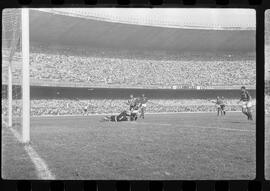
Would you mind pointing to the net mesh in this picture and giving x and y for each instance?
(12, 55)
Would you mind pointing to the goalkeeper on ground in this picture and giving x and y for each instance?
(123, 116)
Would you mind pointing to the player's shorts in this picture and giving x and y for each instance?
(222, 106)
(144, 105)
(217, 106)
(246, 104)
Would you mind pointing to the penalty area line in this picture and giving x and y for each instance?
(41, 167)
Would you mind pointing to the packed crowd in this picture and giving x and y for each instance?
(108, 106)
(147, 69)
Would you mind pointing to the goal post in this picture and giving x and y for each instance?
(25, 76)
(15, 71)
(9, 92)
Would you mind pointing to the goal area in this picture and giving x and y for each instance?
(15, 72)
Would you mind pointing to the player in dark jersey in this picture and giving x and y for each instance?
(143, 101)
(135, 111)
(131, 102)
(134, 105)
(222, 105)
(123, 116)
(246, 102)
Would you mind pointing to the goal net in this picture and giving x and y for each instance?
(13, 62)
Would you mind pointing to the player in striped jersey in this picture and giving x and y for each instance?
(246, 102)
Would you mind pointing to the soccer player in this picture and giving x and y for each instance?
(131, 102)
(222, 106)
(123, 116)
(218, 105)
(135, 111)
(143, 102)
(246, 103)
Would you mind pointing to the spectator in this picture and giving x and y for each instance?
(129, 69)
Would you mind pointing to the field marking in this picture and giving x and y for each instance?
(220, 128)
(41, 167)
(148, 123)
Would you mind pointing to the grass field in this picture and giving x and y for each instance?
(267, 146)
(162, 146)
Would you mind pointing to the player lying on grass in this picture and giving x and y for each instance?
(245, 98)
(220, 105)
(123, 116)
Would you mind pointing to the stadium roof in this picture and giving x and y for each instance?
(229, 19)
(92, 27)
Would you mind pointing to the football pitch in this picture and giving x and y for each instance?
(162, 146)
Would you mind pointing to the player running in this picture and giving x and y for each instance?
(222, 105)
(143, 101)
(246, 103)
(123, 116)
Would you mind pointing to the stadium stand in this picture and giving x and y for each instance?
(171, 57)
(108, 68)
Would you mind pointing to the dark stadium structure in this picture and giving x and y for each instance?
(48, 28)
(41, 92)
